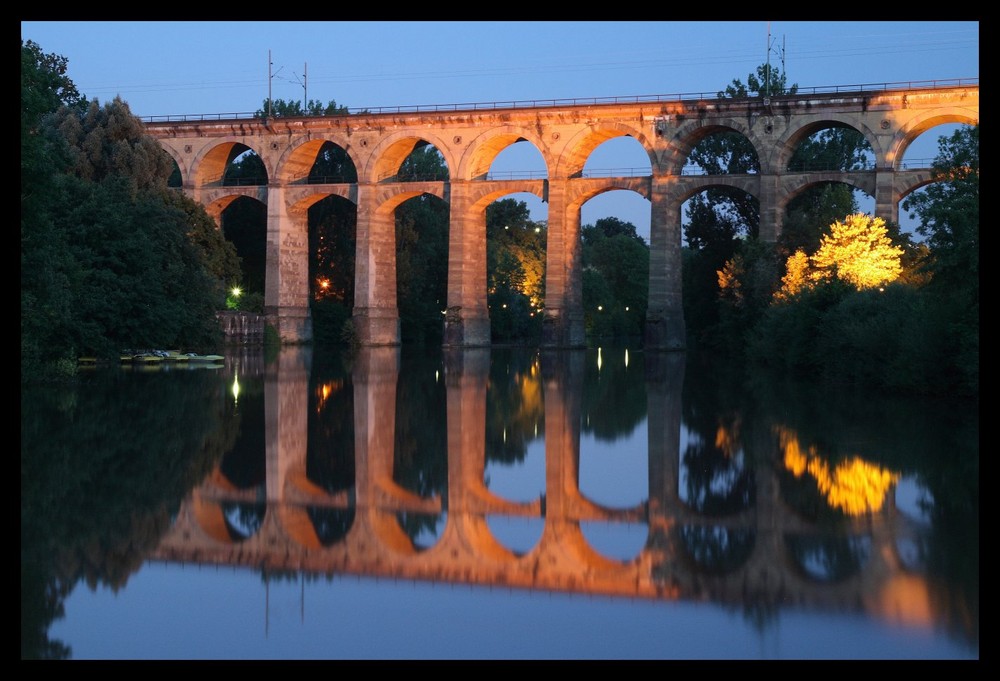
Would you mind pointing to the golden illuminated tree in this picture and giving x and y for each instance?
(797, 271)
(859, 252)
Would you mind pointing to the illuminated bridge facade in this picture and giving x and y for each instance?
(469, 138)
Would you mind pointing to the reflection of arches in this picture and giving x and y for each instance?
(243, 519)
(617, 541)
(519, 535)
(331, 524)
(826, 559)
(715, 549)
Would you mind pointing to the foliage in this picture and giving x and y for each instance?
(515, 271)
(279, 108)
(91, 514)
(112, 258)
(948, 213)
(616, 279)
(859, 252)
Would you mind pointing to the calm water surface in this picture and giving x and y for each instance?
(492, 504)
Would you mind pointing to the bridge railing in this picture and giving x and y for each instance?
(547, 103)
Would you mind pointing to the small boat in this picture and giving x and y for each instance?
(192, 357)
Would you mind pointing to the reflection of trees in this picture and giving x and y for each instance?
(934, 441)
(104, 466)
(330, 450)
(614, 395)
(829, 558)
(420, 459)
(418, 526)
(245, 463)
(514, 409)
(243, 520)
(718, 550)
(331, 524)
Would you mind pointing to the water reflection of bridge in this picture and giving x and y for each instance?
(373, 542)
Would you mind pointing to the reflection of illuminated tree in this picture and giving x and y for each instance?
(852, 486)
(514, 408)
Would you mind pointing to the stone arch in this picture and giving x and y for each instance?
(296, 161)
(483, 150)
(792, 192)
(685, 191)
(209, 166)
(788, 143)
(689, 134)
(480, 197)
(578, 149)
(915, 127)
(217, 207)
(301, 203)
(387, 157)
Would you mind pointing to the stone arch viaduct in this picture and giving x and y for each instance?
(469, 137)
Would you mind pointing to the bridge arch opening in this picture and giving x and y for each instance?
(716, 479)
(244, 167)
(331, 165)
(332, 224)
(826, 559)
(244, 223)
(619, 157)
(422, 240)
(717, 549)
(920, 153)
(817, 205)
(613, 468)
(516, 247)
(620, 541)
(514, 456)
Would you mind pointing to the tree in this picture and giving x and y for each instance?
(515, 270)
(45, 255)
(112, 258)
(616, 278)
(279, 108)
(948, 211)
(859, 252)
